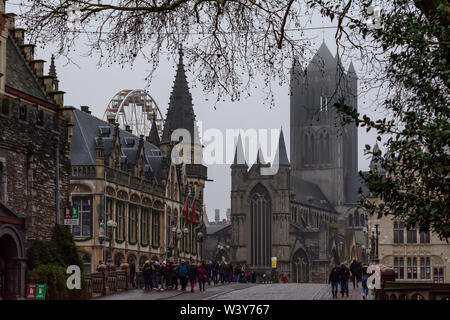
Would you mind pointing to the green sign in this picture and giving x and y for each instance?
(40, 291)
(74, 212)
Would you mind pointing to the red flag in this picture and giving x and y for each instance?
(186, 208)
(193, 214)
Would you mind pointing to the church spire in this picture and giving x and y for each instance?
(180, 114)
(154, 136)
(52, 71)
(239, 156)
(281, 157)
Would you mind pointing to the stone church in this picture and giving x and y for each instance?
(305, 214)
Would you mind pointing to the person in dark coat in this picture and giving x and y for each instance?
(147, 273)
(253, 276)
(208, 268)
(334, 281)
(201, 276)
(182, 273)
(344, 275)
(215, 272)
(222, 272)
(132, 273)
(192, 275)
(355, 268)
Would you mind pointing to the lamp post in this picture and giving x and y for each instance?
(111, 224)
(200, 241)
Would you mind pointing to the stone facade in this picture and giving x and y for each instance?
(33, 153)
(300, 214)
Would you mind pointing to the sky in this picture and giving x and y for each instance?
(86, 84)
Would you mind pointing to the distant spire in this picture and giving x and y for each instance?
(351, 71)
(323, 59)
(239, 156)
(154, 136)
(260, 157)
(180, 114)
(375, 164)
(281, 157)
(52, 71)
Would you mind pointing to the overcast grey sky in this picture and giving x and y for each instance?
(86, 84)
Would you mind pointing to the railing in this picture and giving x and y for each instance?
(100, 284)
(197, 170)
(84, 171)
(125, 179)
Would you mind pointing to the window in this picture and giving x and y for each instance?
(83, 229)
(40, 118)
(132, 223)
(194, 240)
(425, 237)
(414, 268)
(2, 180)
(144, 225)
(120, 219)
(441, 275)
(5, 106)
(428, 270)
(155, 228)
(23, 112)
(109, 209)
(350, 220)
(409, 265)
(438, 275)
(261, 225)
(422, 268)
(412, 236)
(398, 232)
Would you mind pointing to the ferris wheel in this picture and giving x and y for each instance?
(136, 109)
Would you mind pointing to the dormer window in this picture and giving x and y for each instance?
(129, 142)
(105, 131)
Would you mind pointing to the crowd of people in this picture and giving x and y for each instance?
(340, 276)
(167, 275)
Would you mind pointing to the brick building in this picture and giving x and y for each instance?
(33, 152)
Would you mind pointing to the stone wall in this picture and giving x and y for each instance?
(28, 151)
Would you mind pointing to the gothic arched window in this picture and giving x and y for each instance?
(311, 150)
(306, 149)
(261, 226)
(327, 148)
(350, 220)
(321, 153)
(356, 219)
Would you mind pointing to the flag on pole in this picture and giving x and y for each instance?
(193, 214)
(186, 209)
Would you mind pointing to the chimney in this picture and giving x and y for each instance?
(128, 129)
(228, 214)
(10, 21)
(111, 120)
(85, 109)
(217, 215)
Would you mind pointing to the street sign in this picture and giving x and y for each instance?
(71, 216)
(40, 291)
(274, 262)
(31, 291)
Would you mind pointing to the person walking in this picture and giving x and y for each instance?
(132, 273)
(208, 268)
(364, 277)
(182, 273)
(355, 269)
(192, 275)
(201, 276)
(215, 272)
(222, 272)
(344, 275)
(284, 278)
(147, 273)
(334, 281)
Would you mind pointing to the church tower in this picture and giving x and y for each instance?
(322, 151)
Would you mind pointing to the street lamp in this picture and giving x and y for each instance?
(111, 224)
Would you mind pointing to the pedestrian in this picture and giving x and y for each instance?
(192, 275)
(182, 273)
(237, 272)
(132, 273)
(355, 269)
(334, 281)
(344, 275)
(146, 272)
(208, 268)
(253, 276)
(222, 272)
(215, 272)
(365, 288)
(284, 278)
(201, 276)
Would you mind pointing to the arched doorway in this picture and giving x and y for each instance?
(300, 266)
(12, 276)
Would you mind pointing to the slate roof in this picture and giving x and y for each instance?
(85, 137)
(18, 73)
(304, 191)
(322, 60)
